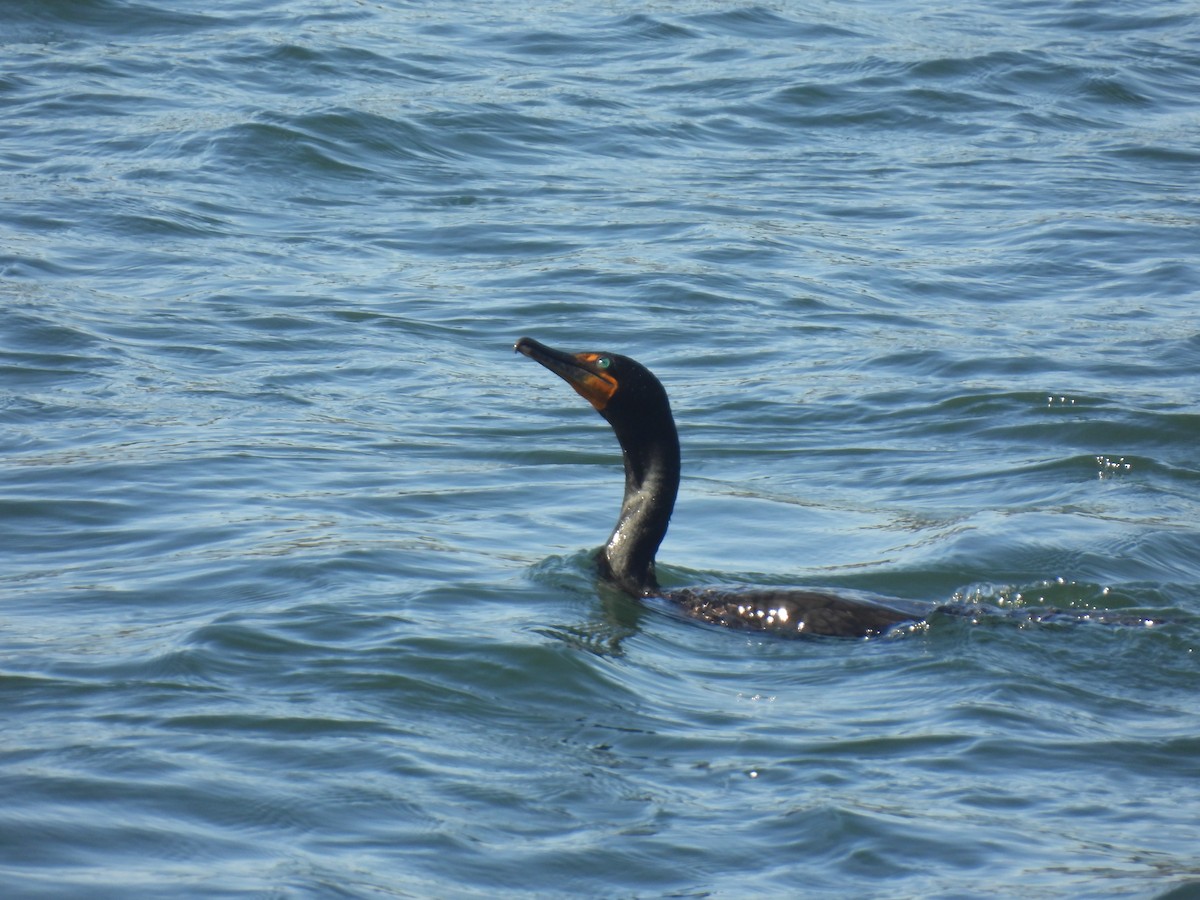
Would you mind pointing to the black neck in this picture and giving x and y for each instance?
(651, 452)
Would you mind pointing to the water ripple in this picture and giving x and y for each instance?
(297, 555)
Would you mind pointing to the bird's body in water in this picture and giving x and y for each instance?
(635, 404)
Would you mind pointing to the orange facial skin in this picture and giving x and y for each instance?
(585, 372)
(592, 383)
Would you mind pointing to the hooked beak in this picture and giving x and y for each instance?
(576, 369)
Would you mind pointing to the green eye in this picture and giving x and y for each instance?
(603, 362)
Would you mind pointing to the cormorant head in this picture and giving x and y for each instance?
(621, 389)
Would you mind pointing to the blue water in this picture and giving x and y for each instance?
(296, 591)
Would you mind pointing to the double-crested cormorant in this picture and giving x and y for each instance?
(635, 404)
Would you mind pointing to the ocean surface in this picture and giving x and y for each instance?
(296, 585)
